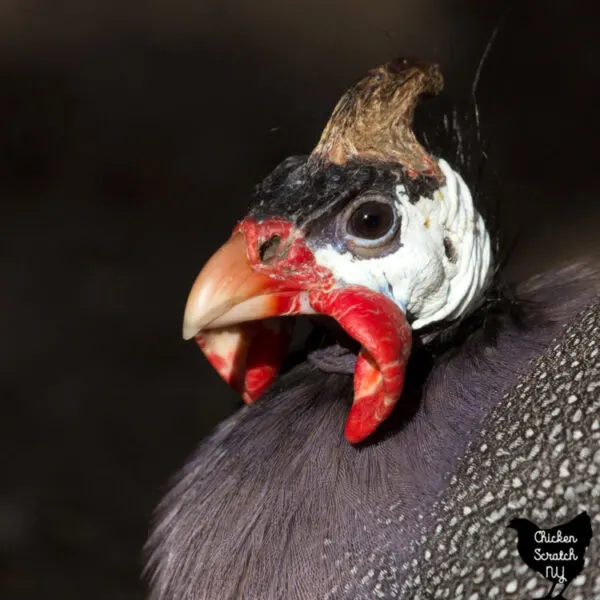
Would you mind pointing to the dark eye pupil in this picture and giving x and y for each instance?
(371, 220)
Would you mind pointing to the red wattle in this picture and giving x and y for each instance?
(379, 325)
(248, 356)
(266, 352)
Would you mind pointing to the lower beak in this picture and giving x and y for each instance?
(234, 312)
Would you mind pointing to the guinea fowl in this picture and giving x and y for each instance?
(347, 472)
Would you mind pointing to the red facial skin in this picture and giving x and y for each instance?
(295, 280)
(295, 265)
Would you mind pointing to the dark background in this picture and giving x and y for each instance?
(131, 134)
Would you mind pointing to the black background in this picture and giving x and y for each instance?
(131, 134)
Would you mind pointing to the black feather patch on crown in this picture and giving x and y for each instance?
(303, 191)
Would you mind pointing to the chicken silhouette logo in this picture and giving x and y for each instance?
(558, 553)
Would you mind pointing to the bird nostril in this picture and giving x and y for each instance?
(268, 249)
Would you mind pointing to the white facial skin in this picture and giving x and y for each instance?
(419, 276)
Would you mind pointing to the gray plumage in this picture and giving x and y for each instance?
(277, 504)
(538, 458)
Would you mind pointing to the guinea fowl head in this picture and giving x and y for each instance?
(369, 230)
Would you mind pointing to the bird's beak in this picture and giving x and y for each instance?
(228, 292)
(235, 307)
(229, 312)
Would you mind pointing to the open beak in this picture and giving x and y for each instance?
(229, 312)
(235, 310)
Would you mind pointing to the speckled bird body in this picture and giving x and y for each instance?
(306, 515)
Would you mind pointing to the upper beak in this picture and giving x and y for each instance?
(228, 292)
(231, 312)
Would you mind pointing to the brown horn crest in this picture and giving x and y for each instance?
(373, 119)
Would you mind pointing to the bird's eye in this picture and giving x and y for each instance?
(370, 225)
(371, 220)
